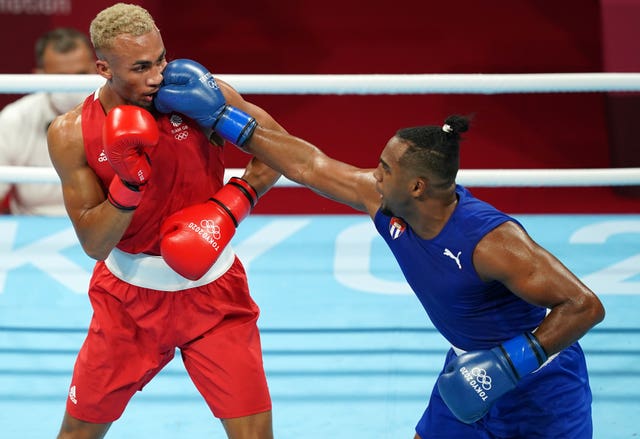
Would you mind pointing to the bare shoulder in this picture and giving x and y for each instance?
(65, 140)
(350, 185)
(506, 234)
(366, 188)
(502, 250)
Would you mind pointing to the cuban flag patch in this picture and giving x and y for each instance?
(396, 227)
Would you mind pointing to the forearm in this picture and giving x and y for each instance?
(128, 132)
(260, 176)
(510, 256)
(100, 228)
(288, 155)
(575, 309)
(568, 322)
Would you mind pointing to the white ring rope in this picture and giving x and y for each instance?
(364, 84)
(467, 177)
(383, 84)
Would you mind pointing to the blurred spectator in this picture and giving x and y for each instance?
(24, 123)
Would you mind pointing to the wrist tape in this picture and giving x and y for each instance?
(524, 353)
(234, 125)
(123, 195)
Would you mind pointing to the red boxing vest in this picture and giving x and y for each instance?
(186, 169)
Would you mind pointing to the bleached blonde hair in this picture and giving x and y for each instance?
(121, 18)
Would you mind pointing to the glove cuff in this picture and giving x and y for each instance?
(124, 196)
(237, 198)
(234, 125)
(246, 188)
(524, 354)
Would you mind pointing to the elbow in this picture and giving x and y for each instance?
(95, 252)
(98, 256)
(597, 311)
(592, 310)
(94, 243)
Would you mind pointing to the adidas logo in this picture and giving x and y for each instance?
(72, 395)
(102, 157)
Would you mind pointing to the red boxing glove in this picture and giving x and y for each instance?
(193, 238)
(128, 132)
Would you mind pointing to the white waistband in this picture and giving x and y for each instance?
(152, 272)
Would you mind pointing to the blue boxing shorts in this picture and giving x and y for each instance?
(554, 401)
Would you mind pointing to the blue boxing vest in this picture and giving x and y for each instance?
(470, 313)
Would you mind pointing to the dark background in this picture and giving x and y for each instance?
(541, 130)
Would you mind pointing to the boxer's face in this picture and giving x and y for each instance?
(133, 67)
(393, 182)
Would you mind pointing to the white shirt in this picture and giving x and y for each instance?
(23, 142)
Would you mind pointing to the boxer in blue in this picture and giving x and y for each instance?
(512, 312)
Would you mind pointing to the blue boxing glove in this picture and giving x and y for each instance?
(189, 88)
(473, 381)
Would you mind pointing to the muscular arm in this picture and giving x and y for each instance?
(307, 165)
(186, 91)
(98, 225)
(509, 255)
(303, 162)
(258, 174)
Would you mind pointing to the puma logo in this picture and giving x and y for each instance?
(456, 258)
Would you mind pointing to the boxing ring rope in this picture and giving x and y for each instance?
(365, 84)
(383, 84)
(467, 177)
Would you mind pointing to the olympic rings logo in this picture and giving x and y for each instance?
(209, 81)
(211, 228)
(481, 377)
(182, 135)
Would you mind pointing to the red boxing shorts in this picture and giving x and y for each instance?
(134, 333)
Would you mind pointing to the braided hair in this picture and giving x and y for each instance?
(435, 150)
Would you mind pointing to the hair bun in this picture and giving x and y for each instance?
(456, 124)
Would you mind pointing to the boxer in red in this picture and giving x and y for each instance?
(145, 194)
